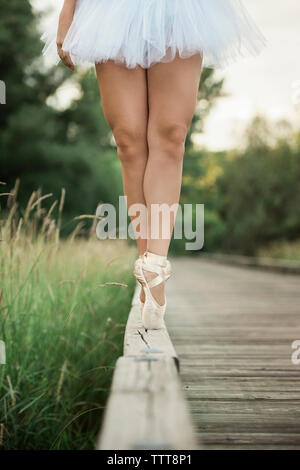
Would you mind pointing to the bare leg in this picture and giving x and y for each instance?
(124, 100)
(172, 95)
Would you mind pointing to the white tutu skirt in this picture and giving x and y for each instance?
(144, 32)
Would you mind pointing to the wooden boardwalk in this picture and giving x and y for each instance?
(146, 408)
(232, 329)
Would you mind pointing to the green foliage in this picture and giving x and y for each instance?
(200, 174)
(63, 327)
(41, 145)
(209, 91)
(259, 189)
(62, 341)
(281, 249)
(49, 148)
(251, 196)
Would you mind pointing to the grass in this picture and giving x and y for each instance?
(62, 322)
(284, 250)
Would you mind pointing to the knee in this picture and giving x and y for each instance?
(168, 140)
(131, 144)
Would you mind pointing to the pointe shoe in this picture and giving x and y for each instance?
(138, 273)
(153, 313)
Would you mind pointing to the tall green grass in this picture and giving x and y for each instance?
(64, 305)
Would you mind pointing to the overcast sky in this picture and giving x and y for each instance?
(255, 85)
(263, 84)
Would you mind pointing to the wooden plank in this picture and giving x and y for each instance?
(233, 329)
(146, 408)
(268, 264)
(235, 352)
(241, 425)
(247, 386)
(146, 343)
(251, 440)
(257, 407)
(243, 395)
(195, 372)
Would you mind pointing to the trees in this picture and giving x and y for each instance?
(49, 148)
(39, 144)
(259, 190)
(251, 196)
(209, 91)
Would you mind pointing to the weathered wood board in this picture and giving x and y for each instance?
(141, 342)
(146, 407)
(233, 329)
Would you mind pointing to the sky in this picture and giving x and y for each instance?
(268, 84)
(265, 84)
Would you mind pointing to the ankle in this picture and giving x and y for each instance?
(153, 258)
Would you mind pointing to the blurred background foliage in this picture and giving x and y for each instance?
(251, 194)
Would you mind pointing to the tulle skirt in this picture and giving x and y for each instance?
(144, 32)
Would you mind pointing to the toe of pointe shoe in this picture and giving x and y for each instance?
(153, 318)
(153, 323)
(141, 307)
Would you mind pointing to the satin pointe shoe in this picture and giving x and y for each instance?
(153, 313)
